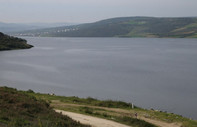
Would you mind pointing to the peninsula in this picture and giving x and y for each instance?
(10, 43)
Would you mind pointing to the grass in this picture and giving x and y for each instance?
(58, 103)
(118, 118)
(85, 101)
(136, 22)
(194, 36)
(108, 109)
(110, 115)
(114, 110)
(170, 117)
(18, 109)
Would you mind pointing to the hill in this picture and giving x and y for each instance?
(125, 27)
(9, 28)
(9, 43)
(30, 109)
(18, 109)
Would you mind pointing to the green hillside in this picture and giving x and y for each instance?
(118, 111)
(18, 109)
(126, 27)
(9, 43)
(30, 109)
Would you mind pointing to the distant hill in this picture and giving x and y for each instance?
(18, 27)
(9, 43)
(125, 27)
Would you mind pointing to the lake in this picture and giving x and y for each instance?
(150, 72)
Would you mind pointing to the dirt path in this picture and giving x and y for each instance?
(160, 123)
(93, 121)
(153, 121)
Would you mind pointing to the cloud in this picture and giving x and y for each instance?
(91, 10)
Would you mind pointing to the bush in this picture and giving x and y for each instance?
(18, 109)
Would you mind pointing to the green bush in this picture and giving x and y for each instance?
(18, 109)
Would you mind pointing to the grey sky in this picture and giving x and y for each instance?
(91, 10)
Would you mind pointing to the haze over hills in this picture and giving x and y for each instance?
(125, 27)
(18, 27)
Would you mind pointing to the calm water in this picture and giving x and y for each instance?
(152, 73)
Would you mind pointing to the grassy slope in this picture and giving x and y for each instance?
(92, 111)
(128, 27)
(18, 109)
(113, 110)
(9, 43)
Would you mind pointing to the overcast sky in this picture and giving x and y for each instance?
(80, 11)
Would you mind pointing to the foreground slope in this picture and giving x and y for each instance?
(29, 109)
(126, 27)
(9, 43)
(117, 111)
(18, 109)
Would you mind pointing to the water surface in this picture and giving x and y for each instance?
(152, 73)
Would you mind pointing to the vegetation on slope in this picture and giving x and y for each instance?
(58, 102)
(112, 110)
(126, 27)
(86, 101)
(26, 108)
(18, 109)
(9, 43)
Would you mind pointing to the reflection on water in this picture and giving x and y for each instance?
(152, 73)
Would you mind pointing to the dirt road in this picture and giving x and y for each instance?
(160, 123)
(122, 111)
(93, 121)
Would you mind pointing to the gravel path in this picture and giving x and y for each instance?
(93, 121)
